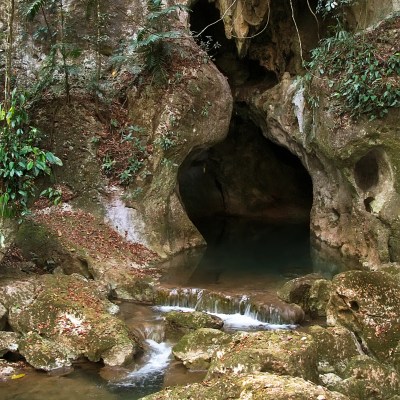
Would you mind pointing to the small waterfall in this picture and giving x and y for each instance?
(229, 308)
(151, 372)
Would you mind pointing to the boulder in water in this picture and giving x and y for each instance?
(197, 349)
(186, 322)
(311, 292)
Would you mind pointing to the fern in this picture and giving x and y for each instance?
(34, 8)
(153, 42)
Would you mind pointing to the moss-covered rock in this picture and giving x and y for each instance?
(318, 297)
(335, 347)
(368, 304)
(258, 386)
(71, 315)
(367, 379)
(185, 322)
(8, 342)
(45, 354)
(280, 352)
(17, 293)
(197, 349)
(310, 292)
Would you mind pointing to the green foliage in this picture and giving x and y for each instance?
(326, 7)
(53, 194)
(108, 164)
(166, 140)
(363, 79)
(21, 160)
(139, 154)
(154, 42)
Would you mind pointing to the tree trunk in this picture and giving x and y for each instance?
(9, 54)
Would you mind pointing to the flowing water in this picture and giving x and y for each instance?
(242, 268)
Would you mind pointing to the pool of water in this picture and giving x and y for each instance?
(244, 255)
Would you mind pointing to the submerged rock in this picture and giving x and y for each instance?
(368, 304)
(68, 317)
(186, 322)
(281, 352)
(257, 386)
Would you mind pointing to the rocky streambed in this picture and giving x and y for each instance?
(348, 346)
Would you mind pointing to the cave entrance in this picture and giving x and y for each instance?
(209, 33)
(251, 201)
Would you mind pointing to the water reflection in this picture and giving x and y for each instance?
(245, 254)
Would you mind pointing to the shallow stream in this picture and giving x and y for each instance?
(243, 259)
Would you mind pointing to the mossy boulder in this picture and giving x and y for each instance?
(368, 304)
(311, 292)
(257, 386)
(280, 352)
(17, 293)
(45, 354)
(73, 317)
(367, 379)
(335, 347)
(318, 297)
(197, 349)
(186, 322)
(8, 342)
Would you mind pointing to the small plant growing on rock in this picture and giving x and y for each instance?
(154, 41)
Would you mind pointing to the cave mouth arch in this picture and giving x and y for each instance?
(251, 200)
(246, 176)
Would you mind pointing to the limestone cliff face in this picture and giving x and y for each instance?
(354, 166)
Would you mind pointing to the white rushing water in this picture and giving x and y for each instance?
(235, 321)
(156, 363)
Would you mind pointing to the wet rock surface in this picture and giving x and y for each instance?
(8, 342)
(281, 352)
